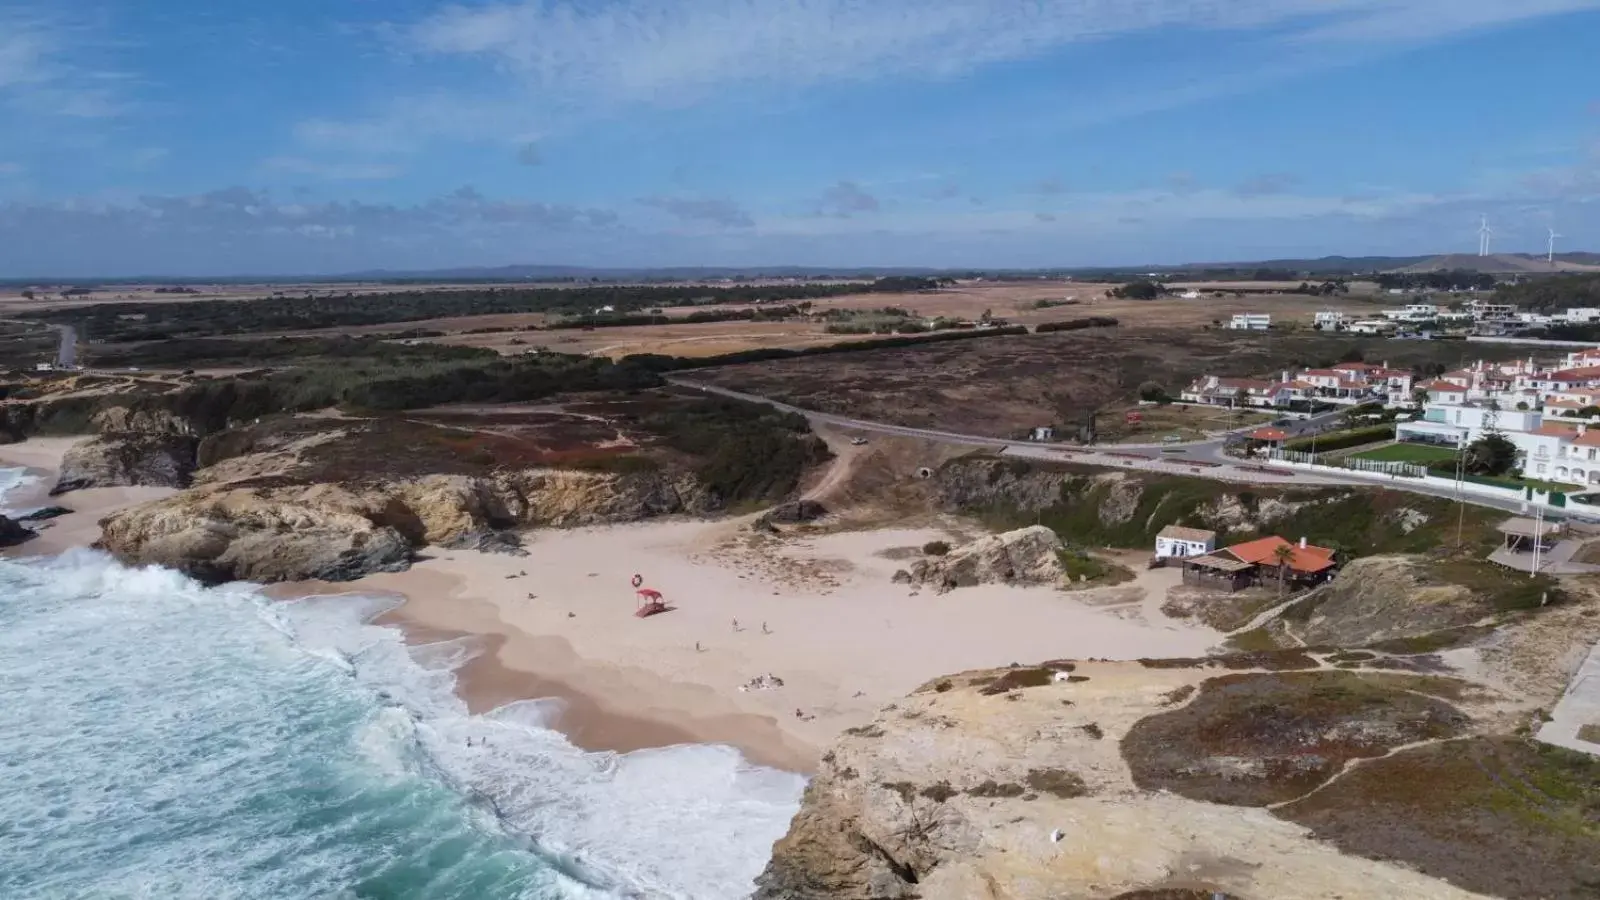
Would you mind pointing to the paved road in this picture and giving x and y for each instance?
(1203, 459)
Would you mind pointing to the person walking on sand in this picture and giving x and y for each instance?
(735, 624)
(765, 629)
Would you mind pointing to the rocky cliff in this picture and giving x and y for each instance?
(1025, 556)
(1256, 777)
(126, 459)
(335, 532)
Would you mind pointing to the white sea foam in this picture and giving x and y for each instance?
(11, 480)
(683, 822)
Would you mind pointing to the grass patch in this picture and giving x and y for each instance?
(996, 790)
(1015, 679)
(1057, 783)
(1422, 454)
(1508, 591)
(1082, 567)
(1252, 740)
(1498, 816)
(1256, 640)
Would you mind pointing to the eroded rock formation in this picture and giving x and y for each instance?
(1103, 780)
(1025, 556)
(127, 460)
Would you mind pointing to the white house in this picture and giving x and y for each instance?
(1250, 322)
(1177, 540)
(1484, 311)
(1329, 320)
(1583, 315)
(1370, 326)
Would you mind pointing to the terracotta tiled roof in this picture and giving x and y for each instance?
(1269, 434)
(1551, 429)
(1587, 439)
(1586, 373)
(1439, 384)
(1262, 552)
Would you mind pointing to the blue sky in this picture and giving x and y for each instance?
(307, 136)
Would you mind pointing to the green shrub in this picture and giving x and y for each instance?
(1342, 440)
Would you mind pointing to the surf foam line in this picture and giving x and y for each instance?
(695, 822)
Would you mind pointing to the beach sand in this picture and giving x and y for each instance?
(820, 613)
(80, 528)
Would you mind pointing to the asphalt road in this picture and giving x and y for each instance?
(1202, 459)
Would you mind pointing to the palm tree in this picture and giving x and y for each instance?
(1283, 554)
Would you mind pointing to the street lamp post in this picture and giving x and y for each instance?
(1461, 503)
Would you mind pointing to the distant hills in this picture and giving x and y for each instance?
(1272, 269)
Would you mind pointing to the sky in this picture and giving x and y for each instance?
(234, 137)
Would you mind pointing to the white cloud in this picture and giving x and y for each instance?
(43, 73)
(671, 51)
(342, 171)
(845, 199)
(716, 210)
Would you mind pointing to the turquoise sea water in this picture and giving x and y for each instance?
(163, 740)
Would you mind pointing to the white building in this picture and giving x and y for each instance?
(1370, 326)
(1567, 453)
(1250, 322)
(1329, 320)
(1178, 541)
(1484, 311)
(1583, 315)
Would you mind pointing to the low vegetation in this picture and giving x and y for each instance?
(1253, 740)
(200, 318)
(1500, 816)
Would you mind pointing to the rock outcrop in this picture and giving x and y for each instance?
(1105, 780)
(13, 533)
(340, 532)
(1026, 556)
(250, 536)
(128, 460)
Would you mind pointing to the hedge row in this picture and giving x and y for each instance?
(1342, 440)
(659, 363)
(1077, 324)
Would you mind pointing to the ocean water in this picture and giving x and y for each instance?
(159, 739)
(10, 480)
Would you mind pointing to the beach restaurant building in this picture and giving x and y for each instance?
(1255, 562)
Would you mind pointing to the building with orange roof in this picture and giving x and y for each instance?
(1259, 561)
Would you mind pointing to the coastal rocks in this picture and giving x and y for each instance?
(128, 460)
(1001, 784)
(1026, 556)
(130, 420)
(244, 536)
(965, 484)
(795, 512)
(506, 543)
(13, 533)
(343, 531)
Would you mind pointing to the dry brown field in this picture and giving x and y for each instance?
(1002, 386)
(1013, 302)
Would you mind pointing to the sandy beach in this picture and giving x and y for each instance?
(817, 611)
(79, 528)
(820, 613)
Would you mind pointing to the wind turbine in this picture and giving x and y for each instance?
(1551, 256)
(1484, 234)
